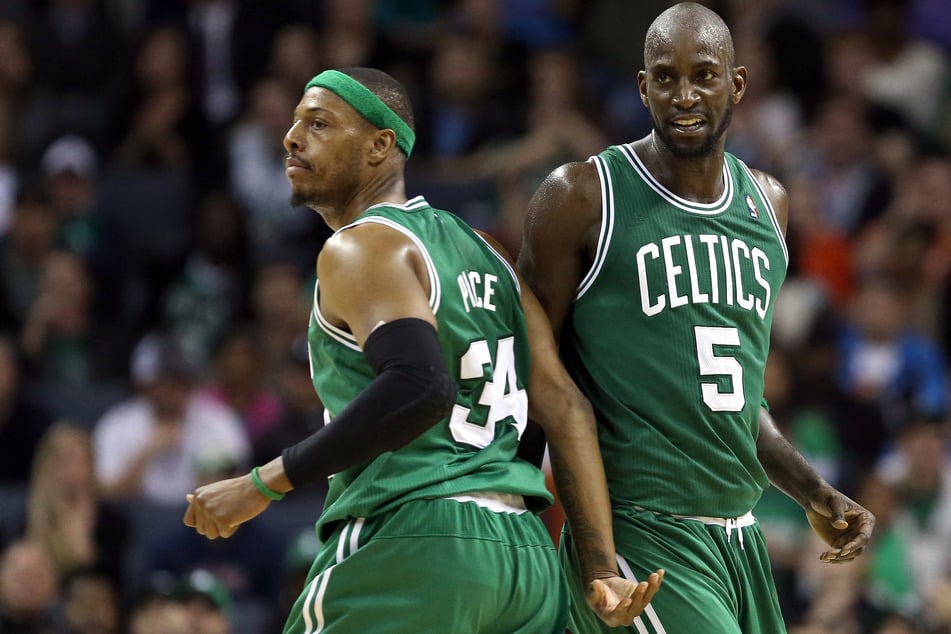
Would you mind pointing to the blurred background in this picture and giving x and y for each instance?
(155, 282)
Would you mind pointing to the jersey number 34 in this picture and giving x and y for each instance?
(500, 396)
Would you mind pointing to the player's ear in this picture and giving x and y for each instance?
(384, 142)
(738, 81)
(642, 86)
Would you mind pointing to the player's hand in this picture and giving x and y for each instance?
(218, 509)
(618, 601)
(840, 522)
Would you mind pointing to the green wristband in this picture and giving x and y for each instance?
(260, 486)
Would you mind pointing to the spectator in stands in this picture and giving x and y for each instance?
(302, 411)
(160, 117)
(919, 473)
(884, 362)
(157, 611)
(71, 175)
(911, 242)
(28, 590)
(295, 56)
(348, 35)
(65, 514)
(898, 64)
(209, 293)
(239, 380)
(90, 603)
(281, 303)
(561, 127)
(23, 252)
(246, 569)
(839, 162)
(59, 337)
(208, 603)
(256, 157)
(163, 442)
(78, 53)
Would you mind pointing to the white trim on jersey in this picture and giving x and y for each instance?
(503, 261)
(341, 336)
(607, 226)
(347, 338)
(416, 202)
(769, 210)
(435, 290)
(706, 209)
(649, 612)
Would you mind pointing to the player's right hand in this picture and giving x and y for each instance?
(618, 601)
(218, 509)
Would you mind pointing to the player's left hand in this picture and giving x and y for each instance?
(218, 509)
(840, 522)
(618, 601)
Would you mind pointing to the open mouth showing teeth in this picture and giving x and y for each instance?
(687, 124)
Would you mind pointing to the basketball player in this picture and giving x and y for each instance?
(658, 263)
(419, 351)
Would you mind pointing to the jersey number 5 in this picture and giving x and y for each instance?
(713, 365)
(500, 396)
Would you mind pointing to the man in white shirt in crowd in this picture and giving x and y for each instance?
(163, 442)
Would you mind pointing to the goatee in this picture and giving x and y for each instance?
(706, 149)
(299, 199)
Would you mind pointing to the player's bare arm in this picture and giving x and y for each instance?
(566, 416)
(369, 276)
(568, 420)
(838, 520)
(561, 233)
(841, 522)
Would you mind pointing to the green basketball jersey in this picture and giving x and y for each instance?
(669, 335)
(476, 299)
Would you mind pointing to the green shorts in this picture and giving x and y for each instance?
(715, 581)
(435, 566)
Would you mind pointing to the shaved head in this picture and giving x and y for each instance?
(694, 21)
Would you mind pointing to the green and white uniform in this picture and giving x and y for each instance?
(424, 538)
(668, 337)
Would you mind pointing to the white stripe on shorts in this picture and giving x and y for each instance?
(652, 617)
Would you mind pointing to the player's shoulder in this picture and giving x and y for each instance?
(577, 179)
(771, 186)
(775, 193)
(369, 238)
(572, 189)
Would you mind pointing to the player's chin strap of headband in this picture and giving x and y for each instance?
(367, 104)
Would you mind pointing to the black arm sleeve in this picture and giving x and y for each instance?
(411, 392)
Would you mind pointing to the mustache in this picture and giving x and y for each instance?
(290, 156)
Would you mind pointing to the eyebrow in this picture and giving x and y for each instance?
(310, 110)
(702, 63)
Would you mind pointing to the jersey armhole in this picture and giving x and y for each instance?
(607, 226)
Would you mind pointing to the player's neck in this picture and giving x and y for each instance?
(698, 179)
(385, 188)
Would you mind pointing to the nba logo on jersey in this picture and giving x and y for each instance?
(754, 212)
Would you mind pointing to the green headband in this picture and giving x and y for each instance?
(367, 104)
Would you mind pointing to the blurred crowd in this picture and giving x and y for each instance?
(155, 282)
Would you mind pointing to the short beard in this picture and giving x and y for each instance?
(707, 149)
(299, 199)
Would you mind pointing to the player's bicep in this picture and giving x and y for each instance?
(560, 218)
(370, 275)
